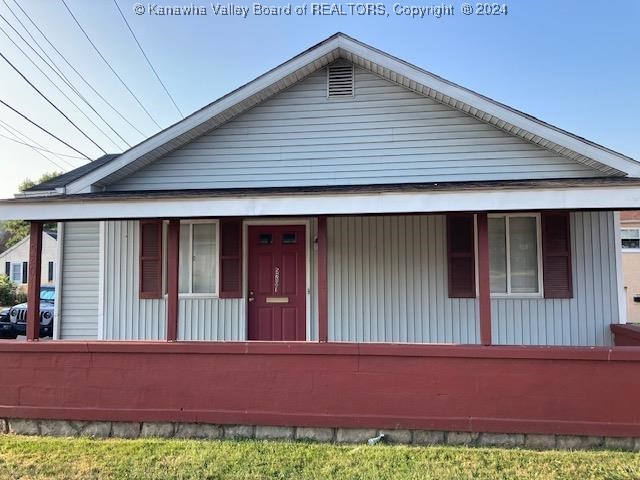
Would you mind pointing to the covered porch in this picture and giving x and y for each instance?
(394, 335)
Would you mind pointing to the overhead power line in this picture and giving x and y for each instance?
(56, 85)
(43, 129)
(82, 77)
(109, 65)
(147, 59)
(35, 149)
(29, 140)
(58, 71)
(51, 103)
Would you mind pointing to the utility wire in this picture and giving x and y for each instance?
(56, 85)
(147, 59)
(108, 64)
(28, 140)
(43, 129)
(50, 102)
(56, 69)
(70, 65)
(35, 149)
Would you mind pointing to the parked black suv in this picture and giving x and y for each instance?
(13, 321)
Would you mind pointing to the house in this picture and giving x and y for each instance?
(347, 241)
(16, 260)
(630, 243)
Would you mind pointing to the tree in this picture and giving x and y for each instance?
(16, 230)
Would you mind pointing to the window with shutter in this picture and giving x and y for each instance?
(230, 258)
(556, 255)
(461, 256)
(150, 276)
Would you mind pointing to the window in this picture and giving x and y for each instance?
(630, 238)
(198, 258)
(16, 272)
(514, 255)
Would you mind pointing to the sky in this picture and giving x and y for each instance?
(574, 64)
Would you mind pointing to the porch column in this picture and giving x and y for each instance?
(323, 310)
(173, 267)
(484, 292)
(33, 292)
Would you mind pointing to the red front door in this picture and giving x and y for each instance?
(277, 282)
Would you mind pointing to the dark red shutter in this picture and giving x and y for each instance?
(25, 272)
(461, 256)
(556, 255)
(150, 259)
(230, 258)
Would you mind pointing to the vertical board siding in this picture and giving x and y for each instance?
(581, 320)
(80, 281)
(384, 134)
(212, 319)
(127, 317)
(387, 278)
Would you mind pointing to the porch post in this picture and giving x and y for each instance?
(33, 292)
(484, 292)
(173, 266)
(323, 311)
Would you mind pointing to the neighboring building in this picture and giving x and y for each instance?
(346, 241)
(15, 260)
(630, 240)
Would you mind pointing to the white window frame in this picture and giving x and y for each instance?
(509, 294)
(216, 258)
(13, 268)
(622, 247)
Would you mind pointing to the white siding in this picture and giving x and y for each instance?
(80, 281)
(19, 253)
(582, 320)
(385, 134)
(127, 317)
(388, 282)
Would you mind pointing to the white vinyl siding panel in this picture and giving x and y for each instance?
(581, 320)
(127, 317)
(384, 134)
(388, 282)
(79, 295)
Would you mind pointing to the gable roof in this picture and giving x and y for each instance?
(53, 235)
(341, 46)
(62, 180)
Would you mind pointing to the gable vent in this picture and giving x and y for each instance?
(340, 81)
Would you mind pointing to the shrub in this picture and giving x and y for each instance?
(7, 291)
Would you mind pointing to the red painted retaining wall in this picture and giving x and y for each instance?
(582, 391)
(626, 335)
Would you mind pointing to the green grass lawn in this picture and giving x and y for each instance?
(36, 458)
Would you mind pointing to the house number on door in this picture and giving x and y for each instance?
(276, 280)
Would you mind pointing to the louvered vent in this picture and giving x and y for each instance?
(340, 81)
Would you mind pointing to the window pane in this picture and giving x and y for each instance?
(497, 255)
(16, 272)
(185, 261)
(204, 247)
(630, 243)
(630, 233)
(523, 246)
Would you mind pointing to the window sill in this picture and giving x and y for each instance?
(517, 296)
